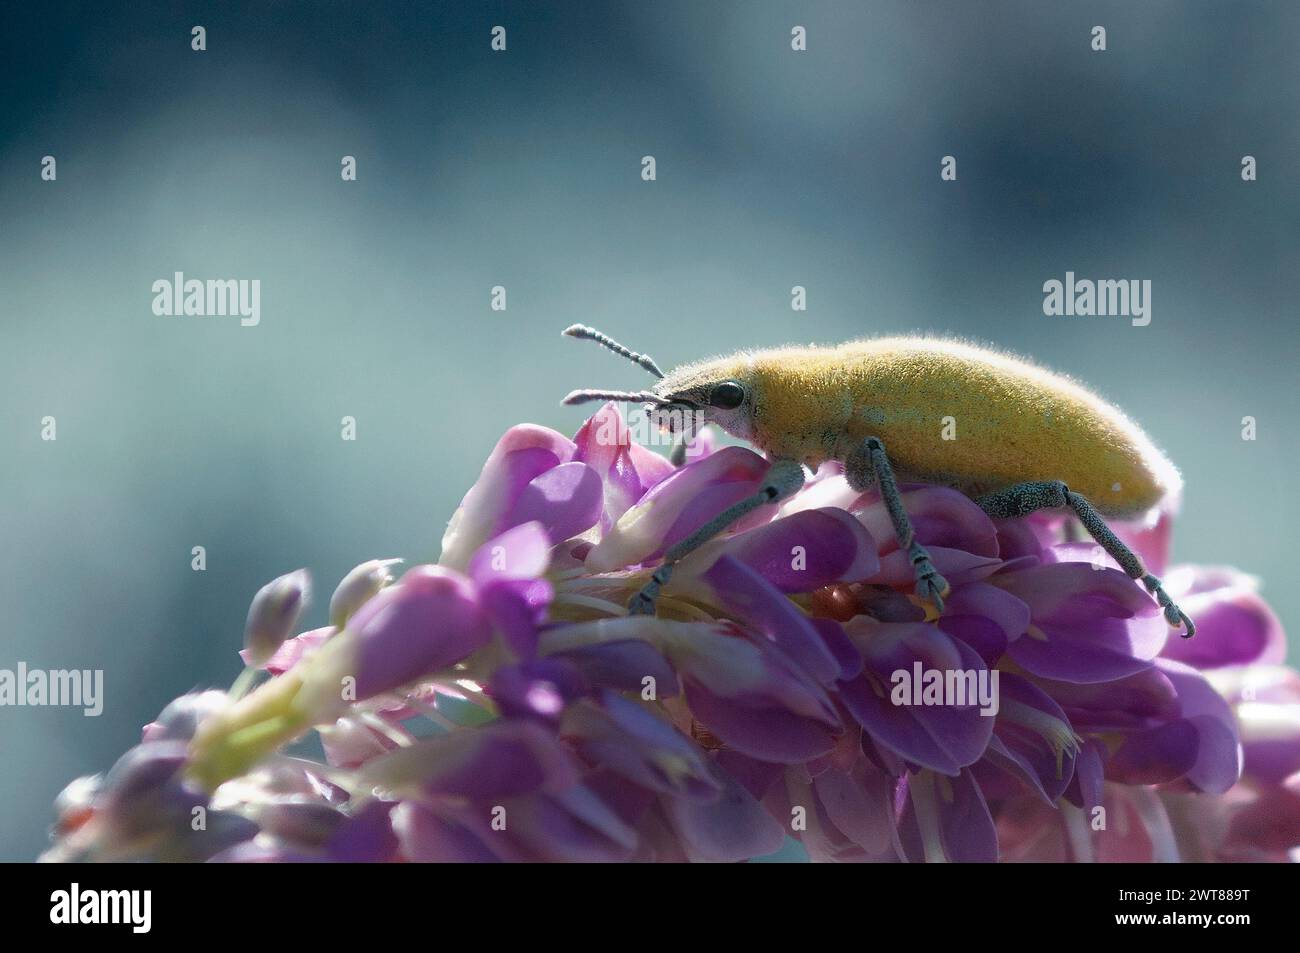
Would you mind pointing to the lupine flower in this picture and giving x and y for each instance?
(502, 705)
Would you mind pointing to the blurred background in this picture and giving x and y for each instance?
(522, 169)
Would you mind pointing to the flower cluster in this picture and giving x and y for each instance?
(502, 704)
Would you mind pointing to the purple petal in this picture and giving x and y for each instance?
(570, 826)
(524, 453)
(1085, 789)
(1035, 737)
(678, 506)
(628, 739)
(941, 517)
(516, 609)
(797, 553)
(292, 650)
(538, 689)
(1218, 755)
(986, 618)
(1234, 626)
(1087, 624)
(623, 666)
(956, 565)
(969, 835)
(425, 837)
(1200, 746)
(503, 759)
(1023, 539)
(944, 737)
(757, 777)
(732, 828)
(754, 674)
(566, 500)
(827, 488)
(840, 646)
(428, 621)
(766, 733)
(954, 808)
(1270, 736)
(626, 469)
(366, 837)
(1124, 703)
(859, 803)
(1155, 755)
(750, 598)
(522, 552)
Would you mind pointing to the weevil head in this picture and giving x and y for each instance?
(719, 391)
(784, 401)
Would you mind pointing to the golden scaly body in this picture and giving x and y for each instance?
(1014, 422)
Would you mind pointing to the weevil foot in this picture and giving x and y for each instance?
(1175, 616)
(931, 588)
(643, 603)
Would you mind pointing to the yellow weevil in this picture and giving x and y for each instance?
(1029, 440)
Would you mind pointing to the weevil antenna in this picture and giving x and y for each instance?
(581, 331)
(640, 396)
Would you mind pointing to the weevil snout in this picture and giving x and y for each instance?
(676, 417)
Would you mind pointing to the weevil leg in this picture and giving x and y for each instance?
(869, 464)
(784, 478)
(1025, 498)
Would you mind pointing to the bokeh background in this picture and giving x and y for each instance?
(523, 169)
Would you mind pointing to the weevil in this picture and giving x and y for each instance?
(1013, 437)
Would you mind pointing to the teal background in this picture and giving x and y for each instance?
(523, 169)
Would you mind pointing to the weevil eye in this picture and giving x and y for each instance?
(727, 396)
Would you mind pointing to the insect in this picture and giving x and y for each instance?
(1018, 438)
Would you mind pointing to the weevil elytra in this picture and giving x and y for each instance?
(1025, 439)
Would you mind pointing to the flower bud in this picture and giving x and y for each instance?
(180, 719)
(274, 614)
(145, 798)
(76, 803)
(357, 587)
